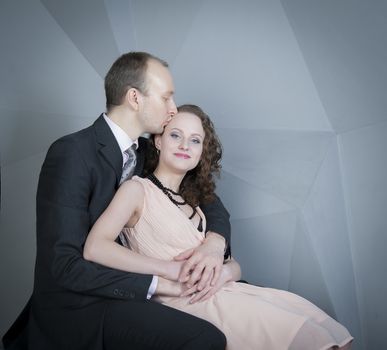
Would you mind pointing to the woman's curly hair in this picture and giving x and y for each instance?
(198, 185)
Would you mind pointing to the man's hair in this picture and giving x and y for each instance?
(128, 71)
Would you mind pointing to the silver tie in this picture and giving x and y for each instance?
(130, 164)
(127, 172)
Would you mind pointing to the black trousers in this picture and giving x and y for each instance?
(129, 325)
(150, 325)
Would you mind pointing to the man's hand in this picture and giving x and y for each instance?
(231, 271)
(203, 264)
(208, 291)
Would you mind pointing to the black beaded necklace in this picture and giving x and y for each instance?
(167, 191)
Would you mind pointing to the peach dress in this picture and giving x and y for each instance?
(251, 317)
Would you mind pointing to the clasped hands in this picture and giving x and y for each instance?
(198, 272)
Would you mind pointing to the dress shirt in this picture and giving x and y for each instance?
(124, 141)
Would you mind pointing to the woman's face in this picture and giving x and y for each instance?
(181, 144)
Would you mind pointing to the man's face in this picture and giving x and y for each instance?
(158, 104)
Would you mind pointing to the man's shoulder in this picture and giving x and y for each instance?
(86, 134)
(82, 139)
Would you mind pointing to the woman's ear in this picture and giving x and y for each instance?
(157, 139)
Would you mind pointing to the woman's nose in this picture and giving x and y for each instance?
(183, 145)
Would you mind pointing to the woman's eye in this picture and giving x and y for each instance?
(197, 141)
(174, 135)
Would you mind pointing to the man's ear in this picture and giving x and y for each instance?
(132, 97)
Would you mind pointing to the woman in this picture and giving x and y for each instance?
(165, 220)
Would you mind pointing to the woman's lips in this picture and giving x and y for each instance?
(182, 155)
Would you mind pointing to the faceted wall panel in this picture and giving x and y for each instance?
(282, 163)
(121, 19)
(41, 70)
(324, 215)
(241, 62)
(264, 246)
(17, 228)
(87, 24)
(306, 277)
(344, 44)
(365, 170)
(164, 25)
(245, 200)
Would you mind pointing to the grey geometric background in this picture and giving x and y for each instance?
(298, 92)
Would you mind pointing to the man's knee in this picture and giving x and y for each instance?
(219, 340)
(213, 339)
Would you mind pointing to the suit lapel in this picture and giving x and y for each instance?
(109, 148)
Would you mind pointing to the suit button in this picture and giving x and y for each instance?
(121, 293)
(132, 295)
(115, 291)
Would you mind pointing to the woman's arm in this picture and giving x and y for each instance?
(100, 247)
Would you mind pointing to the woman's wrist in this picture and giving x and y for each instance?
(166, 287)
(169, 270)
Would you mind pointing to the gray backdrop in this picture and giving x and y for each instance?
(297, 89)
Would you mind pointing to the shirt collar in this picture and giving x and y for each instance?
(124, 141)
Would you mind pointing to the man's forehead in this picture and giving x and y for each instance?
(162, 80)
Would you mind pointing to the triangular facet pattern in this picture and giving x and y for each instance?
(306, 278)
(244, 200)
(283, 163)
(87, 24)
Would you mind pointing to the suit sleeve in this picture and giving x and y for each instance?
(65, 193)
(218, 220)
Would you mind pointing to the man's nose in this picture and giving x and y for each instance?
(172, 109)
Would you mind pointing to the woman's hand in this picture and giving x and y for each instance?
(166, 287)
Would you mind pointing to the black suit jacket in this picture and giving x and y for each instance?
(78, 180)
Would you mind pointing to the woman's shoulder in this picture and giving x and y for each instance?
(134, 186)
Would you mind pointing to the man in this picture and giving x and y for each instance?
(77, 304)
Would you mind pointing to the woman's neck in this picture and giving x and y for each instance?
(168, 179)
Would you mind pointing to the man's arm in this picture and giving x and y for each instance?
(64, 199)
(218, 222)
(203, 264)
